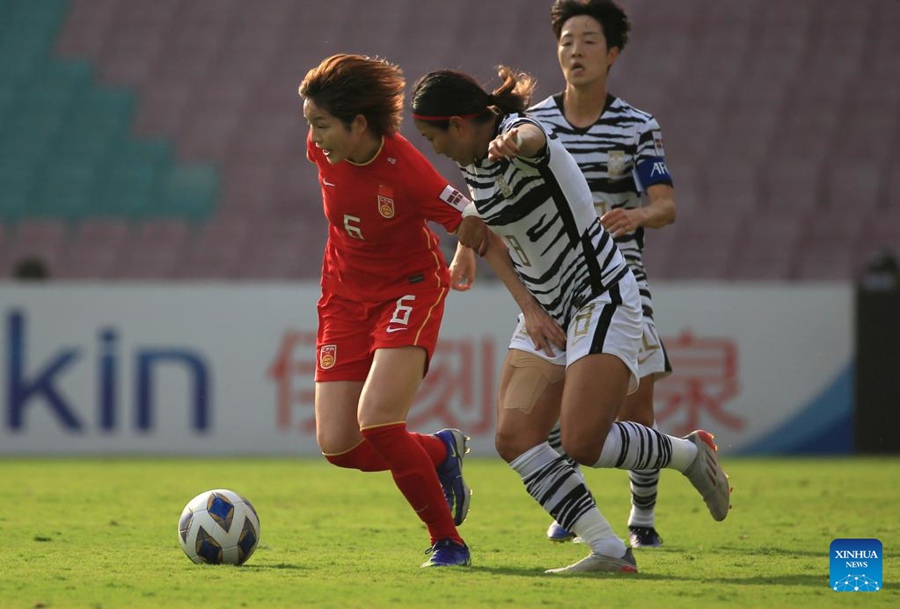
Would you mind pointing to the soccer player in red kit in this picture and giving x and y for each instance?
(384, 282)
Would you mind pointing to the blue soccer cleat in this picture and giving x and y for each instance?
(644, 537)
(448, 553)
(556, 532)
(456, 491)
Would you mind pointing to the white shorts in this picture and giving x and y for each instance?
(652, 358)
(611, 323)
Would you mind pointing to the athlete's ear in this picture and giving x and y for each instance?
(611, 56)
(455, 124)
(359, 124)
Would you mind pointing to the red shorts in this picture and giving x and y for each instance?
(351, 331)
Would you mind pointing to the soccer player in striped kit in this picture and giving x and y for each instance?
(533, 196)
(620, 151)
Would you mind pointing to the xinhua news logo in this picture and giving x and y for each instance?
(856, 565)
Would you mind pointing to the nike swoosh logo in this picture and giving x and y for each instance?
(326, 182)
(389, 330)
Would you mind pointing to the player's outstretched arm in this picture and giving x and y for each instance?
(543, 329)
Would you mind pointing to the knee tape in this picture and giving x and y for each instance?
(531, 375)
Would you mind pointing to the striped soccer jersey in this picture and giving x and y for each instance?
(609, 153)
(542, 208)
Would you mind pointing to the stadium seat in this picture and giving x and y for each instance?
(97, 120)
(768, 245)
(65, 190)
(95, 250)
(854, 185)
(188, 191)
(44, 239)
(216, 250)
(87, 28)
(17, 182)
(791, 183)
(250, 187)
(829, 261)
(882, 230)
(731, 184)
(279, 250)
(155, 250)
(217, 80)
(161, 110)
(704, 239)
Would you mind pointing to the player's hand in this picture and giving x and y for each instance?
(618, 222)
(545, 333)
(505, 145)
(473, 233)
(462, 269)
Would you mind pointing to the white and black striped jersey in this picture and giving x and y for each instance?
(621, 155)
(543, 210)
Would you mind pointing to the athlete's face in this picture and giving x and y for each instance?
(582, 52)
(330, 133)
(455, 142)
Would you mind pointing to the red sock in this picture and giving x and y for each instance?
(362, 457)
(415, 476)
(365, 458)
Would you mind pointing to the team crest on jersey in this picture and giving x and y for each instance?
(327, 356)
(386, 201)
(615, 164)
(658, 143)
(504, 186)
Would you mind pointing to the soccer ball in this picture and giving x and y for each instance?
(218, 527)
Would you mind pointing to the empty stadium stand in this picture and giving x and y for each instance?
(164, 140)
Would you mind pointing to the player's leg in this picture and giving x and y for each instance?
(530, 392)
(644, 483)
(608, 329)
(386, 398)
(653, 364)
(342, 365)
(633, 446)
(344, 358)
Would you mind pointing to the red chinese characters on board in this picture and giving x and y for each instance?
(458, 391)
(705, 379)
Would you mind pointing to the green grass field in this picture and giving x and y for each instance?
(102, 533)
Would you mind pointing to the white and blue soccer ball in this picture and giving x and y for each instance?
(218, 527)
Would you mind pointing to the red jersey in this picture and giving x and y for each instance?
(379, 241)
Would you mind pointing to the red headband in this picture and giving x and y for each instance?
(422, 117)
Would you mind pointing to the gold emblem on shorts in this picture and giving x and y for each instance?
(327, 356)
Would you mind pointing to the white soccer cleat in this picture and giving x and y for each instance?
(598, 563)
(707, 475)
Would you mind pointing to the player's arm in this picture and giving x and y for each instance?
(657, 213)
(462, 268)
(543, 329)
(525, 140)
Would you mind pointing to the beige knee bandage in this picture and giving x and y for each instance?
(531, 375)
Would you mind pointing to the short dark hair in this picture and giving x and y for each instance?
(348, 85)
(609, 15)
